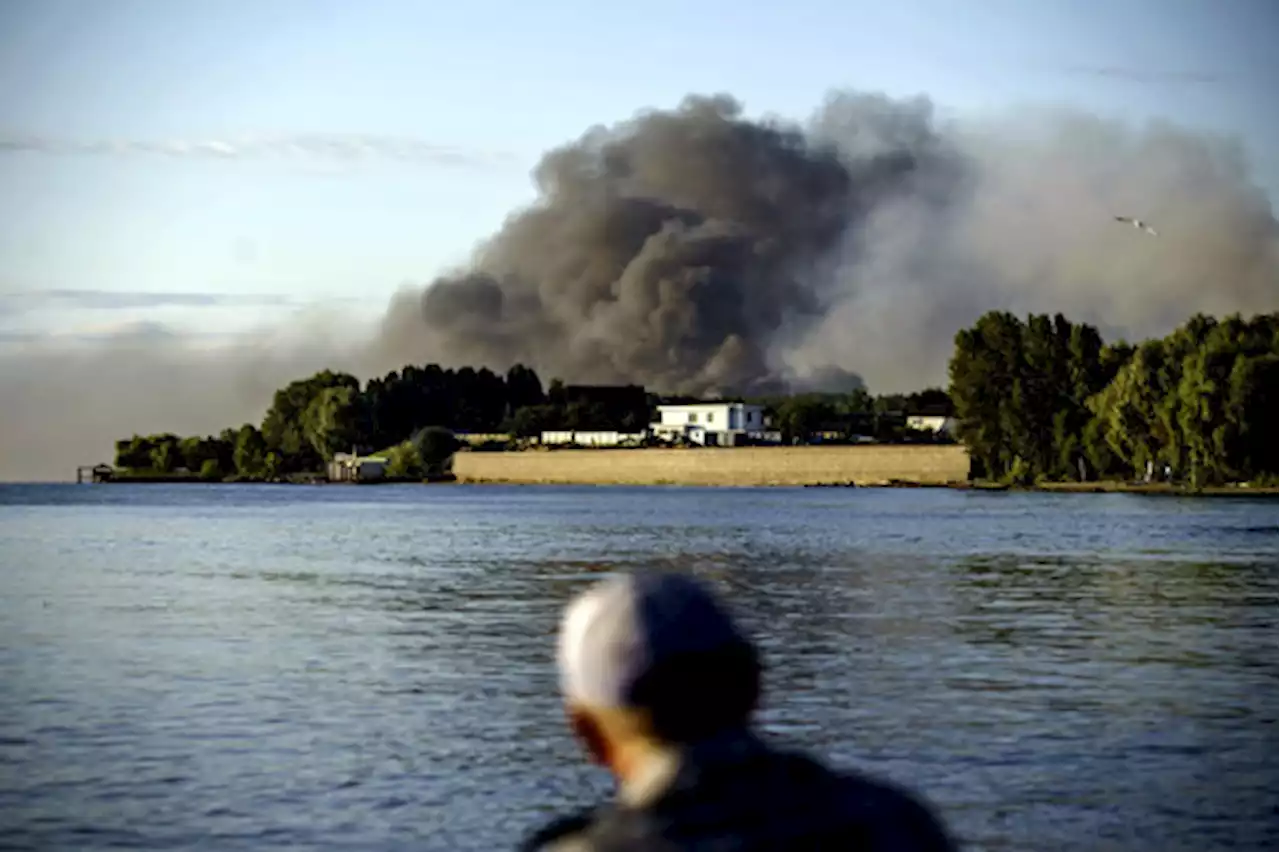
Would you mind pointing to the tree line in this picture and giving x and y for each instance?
(1047, 399)
(857, 413)
(311, 419)
(1040, 399)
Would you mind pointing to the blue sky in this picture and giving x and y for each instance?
(495, 84)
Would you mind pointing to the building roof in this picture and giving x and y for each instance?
(701, 402)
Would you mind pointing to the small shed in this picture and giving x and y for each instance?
(348, 467)
(95, 473)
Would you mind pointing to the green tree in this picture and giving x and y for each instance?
(271, 467)
(285, 425)
(435, 447)
(1100, 459)
(1252, 406)
(859, 401)
(801, 416)
(985, 387)
(135, 453)
(1225, 381)
(1135, 413)
(403, 462)
(1200, 400)
(523, 388)
(586, 416)
(530, 421)
(165, 456)
(335, 420)
(249, 457)
(195, 451)
(1021, 392)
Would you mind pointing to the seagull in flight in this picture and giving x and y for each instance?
(1137, 223)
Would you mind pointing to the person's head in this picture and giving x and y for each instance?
(650, 660)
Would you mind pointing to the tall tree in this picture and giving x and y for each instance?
(249, 458)
(336, 420)
(1252, 404)
(523, 387)
(285, 426)
(1021, 392)
(986, 389)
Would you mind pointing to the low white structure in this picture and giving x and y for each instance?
(590, 439)
(348, 467)
(476, 438)
(709, 423)
(936, 423)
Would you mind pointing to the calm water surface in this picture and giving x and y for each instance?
(233, 667)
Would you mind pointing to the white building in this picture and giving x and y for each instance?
(349, 467)
(937, 424)
(590, 439)
(709, 423)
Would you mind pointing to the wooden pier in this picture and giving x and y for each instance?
(94, 473)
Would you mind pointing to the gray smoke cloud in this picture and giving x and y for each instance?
(67, 401)
(671, 250)
(1027, 227)
(697, 251)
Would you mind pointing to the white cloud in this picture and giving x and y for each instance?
(302, 146)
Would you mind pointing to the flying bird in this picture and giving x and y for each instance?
(1138, 223)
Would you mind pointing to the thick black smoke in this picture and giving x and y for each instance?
(697, 251)
(677, 250)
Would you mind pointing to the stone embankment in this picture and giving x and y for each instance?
(737, 466)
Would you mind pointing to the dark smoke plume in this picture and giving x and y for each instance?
(697, 251)
(673, 250)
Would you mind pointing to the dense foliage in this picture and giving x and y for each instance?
(1047, 399)
(408, 416)
(881, 418)
(312, 419)
(428, 454)
(1044, 399)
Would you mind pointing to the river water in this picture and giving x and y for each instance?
(238, 667)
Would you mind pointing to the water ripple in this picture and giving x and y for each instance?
(258, 668)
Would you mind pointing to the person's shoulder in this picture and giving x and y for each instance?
(896, 812)
(562, 834)
(885, 814)
(604, 828)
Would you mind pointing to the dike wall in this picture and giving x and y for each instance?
(876, 464)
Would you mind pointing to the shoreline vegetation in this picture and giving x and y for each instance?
(1036, 405)
(1110, 486)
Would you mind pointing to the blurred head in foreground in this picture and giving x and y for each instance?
(653, 660)
(660, 685)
